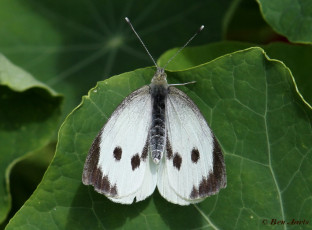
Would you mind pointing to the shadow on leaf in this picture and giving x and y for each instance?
(99, 212)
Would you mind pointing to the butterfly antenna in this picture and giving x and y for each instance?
(127, 20)
(197, 32)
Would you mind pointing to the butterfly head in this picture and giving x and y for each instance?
(160, 77)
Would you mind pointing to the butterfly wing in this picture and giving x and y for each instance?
(118, 165)
(193, 163)
(165, 188)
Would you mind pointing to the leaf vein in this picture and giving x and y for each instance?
(206, 217)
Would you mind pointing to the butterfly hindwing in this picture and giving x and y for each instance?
(165, 189)
(193, 160)
(118, 161)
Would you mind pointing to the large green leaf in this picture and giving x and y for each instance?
(296, 57)
(70, 45)
(262, 124)
(29, 112)
(290, 18)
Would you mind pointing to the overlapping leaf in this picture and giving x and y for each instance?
(262, 124)
(296, 57)
(290, 18)
(70, 45)
(29, 111)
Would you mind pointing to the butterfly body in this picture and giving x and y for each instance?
(159, 92)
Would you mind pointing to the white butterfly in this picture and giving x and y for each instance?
(156, 136)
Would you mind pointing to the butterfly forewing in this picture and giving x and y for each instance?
(117, 163)
(149, 182)
(191, 152)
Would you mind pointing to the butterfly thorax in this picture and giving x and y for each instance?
(159, 91)
(160, 78)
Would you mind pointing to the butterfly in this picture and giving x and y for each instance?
(158, 137)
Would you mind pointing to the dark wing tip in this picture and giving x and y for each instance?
(92, 160)
(92, 174)
(215, 180)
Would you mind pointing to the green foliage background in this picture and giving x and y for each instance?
(253, 73)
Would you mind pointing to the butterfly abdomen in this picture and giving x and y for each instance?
(158, 128)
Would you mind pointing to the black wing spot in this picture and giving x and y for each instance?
(177, 161)
(194, 193)
(205, 186)
(195, 155)
(113, 190)
(117, 153)
(135, 161)
(105, 184)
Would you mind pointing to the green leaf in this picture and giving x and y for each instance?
(263, 126)
(247, 24)
(194, 56)
(298, 59)
(28, 116)
(299, 66)
(292, 19)
(25, 176)
(70, 45)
